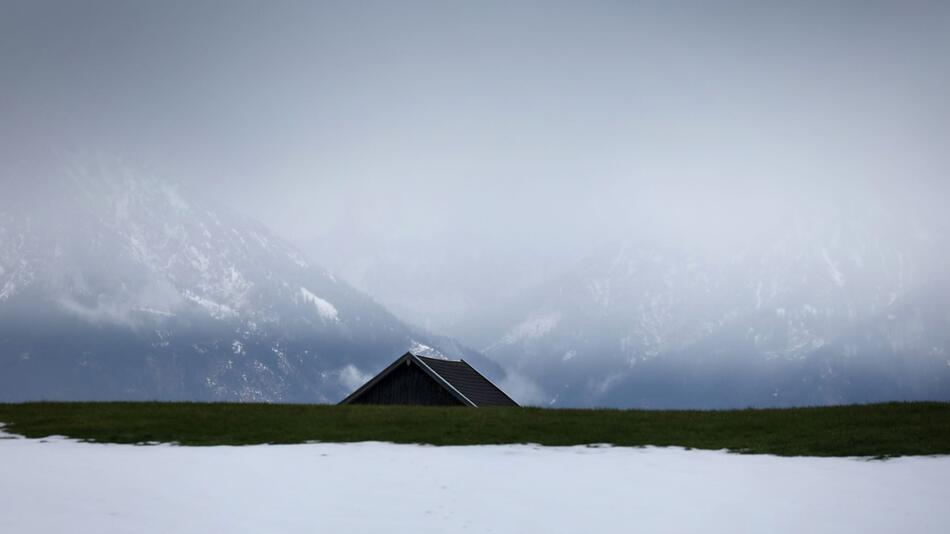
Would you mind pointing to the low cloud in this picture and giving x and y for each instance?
(352, 378)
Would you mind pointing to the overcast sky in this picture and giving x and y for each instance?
(507, 134)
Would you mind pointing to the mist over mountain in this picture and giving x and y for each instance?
(825, 307)
(115, 285)
(687, 204)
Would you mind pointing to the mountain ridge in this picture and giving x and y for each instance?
(820, 310)
(114, 285)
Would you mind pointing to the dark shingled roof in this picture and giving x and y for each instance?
(457, 377)
(469, 382)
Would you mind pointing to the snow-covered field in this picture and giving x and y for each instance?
(58, 485)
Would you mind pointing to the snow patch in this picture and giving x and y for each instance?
(836, 275)
(606, 384)
(216, 310)
(9, 289)
(199, 261)
(298, 260)
(153, 311)
(532, 328)
(327, 311)
(421, 349)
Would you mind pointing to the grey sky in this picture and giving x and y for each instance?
(502, 136)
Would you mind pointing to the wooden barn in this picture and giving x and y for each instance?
(432, 382)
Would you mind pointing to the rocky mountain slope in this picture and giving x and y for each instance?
(118, 286)
(816, 310)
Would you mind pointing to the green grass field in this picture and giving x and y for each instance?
(879, 430)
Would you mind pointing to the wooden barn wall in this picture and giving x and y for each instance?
(407, 384)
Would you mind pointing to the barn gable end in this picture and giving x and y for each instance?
(407, 384)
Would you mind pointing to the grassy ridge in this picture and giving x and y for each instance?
(893, 429)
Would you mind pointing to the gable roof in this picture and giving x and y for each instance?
(459, 378)
(469, 382)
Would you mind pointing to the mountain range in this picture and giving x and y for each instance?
(824, 307)
(119, 286)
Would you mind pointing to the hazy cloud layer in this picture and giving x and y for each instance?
(443, 155)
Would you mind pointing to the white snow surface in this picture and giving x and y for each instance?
(62, 486)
